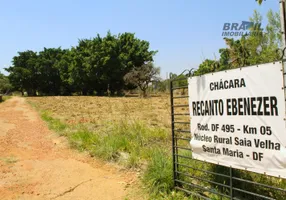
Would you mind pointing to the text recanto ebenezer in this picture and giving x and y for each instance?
(263, 105)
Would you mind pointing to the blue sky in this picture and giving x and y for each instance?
(183, 31)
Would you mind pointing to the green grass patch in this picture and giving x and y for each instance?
(9, 160)
(5, 98)
(132, 144)
(54, 124)
(159, 174)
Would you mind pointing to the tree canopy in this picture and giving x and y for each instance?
(5, 85)
(259, 46)
(94, 66)
(142, 76)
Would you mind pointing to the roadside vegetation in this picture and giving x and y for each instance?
(132, 132)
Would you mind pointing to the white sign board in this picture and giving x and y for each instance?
(237, 118)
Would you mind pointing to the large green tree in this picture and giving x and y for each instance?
(24, 74)
(49, 60)
(67, 87)
(99, 64)
(5, 85)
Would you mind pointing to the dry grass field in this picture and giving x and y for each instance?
(153, 111)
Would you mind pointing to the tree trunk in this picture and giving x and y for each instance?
(144, 93)
(84, 92)
(30, 92)
(34, 93)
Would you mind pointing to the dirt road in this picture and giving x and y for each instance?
(35, 163)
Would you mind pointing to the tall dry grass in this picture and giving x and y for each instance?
(99, 110)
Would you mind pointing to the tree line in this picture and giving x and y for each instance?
(114, 63)
(98, 66)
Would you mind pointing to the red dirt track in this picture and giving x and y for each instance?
(35, 163)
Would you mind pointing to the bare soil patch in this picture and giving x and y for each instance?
(37, 164)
